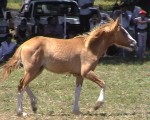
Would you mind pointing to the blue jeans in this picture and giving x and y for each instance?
(142, 38)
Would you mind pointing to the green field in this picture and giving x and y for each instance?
(106, 4)
(127, 94)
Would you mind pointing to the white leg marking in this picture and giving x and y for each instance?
(101, 95)
(77, 95)
(19, 106)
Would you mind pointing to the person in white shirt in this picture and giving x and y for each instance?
(142, 24)
(135, 10)
(26, 2)
(125, 17)
(135, 13)
(7, 48)
(85, 14)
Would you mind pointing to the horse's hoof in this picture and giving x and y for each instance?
(90, 111)
(98, 105)
(19, 114)
(34, 106)
(24, 114)
(34, 109)
(77, 112)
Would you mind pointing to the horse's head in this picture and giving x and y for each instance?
(122, 37)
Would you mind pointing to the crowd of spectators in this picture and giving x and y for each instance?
(135, 20)
(132, 18)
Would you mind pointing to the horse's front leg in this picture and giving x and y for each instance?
(91, 76)
(79, 82)
(32, 99)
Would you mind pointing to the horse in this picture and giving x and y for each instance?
(78, 56)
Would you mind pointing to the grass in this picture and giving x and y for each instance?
(106, 4)
(14, 4)
(127, 94)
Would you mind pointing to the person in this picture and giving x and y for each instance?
(125, 18)
(135, 10)
(115, 11)
(135, 13)
(85, 14)
(142, 24)
(53, 28)
(9, 20)
(22, 32)
(95, 19)
(26, 2)
(7, 48)
(37, 28)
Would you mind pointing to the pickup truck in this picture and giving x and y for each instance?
(66, 10)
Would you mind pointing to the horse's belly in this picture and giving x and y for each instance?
(56, 68)
(62, 66)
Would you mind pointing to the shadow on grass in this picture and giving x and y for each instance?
(104, 114)
(117, 114)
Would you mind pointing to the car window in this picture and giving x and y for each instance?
(30, 10)
(56, 8)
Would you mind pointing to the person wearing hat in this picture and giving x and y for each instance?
(142, 24)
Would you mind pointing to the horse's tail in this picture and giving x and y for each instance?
(13, 64)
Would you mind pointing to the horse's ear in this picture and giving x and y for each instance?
(117, 20)
(116, 23)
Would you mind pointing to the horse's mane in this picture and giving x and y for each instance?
(97, 31)
(101, 26)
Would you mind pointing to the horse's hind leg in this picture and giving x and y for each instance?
(19, 104)
(28, 76)
(32, 99)
(91, 76)
(31, 95)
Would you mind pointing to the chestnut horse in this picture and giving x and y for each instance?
(77, 56)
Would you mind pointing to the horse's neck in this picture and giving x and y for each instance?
(102, 49)
(99, 46)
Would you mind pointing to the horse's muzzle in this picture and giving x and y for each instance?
(134, 46)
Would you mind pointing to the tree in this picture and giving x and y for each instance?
(3, 4)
